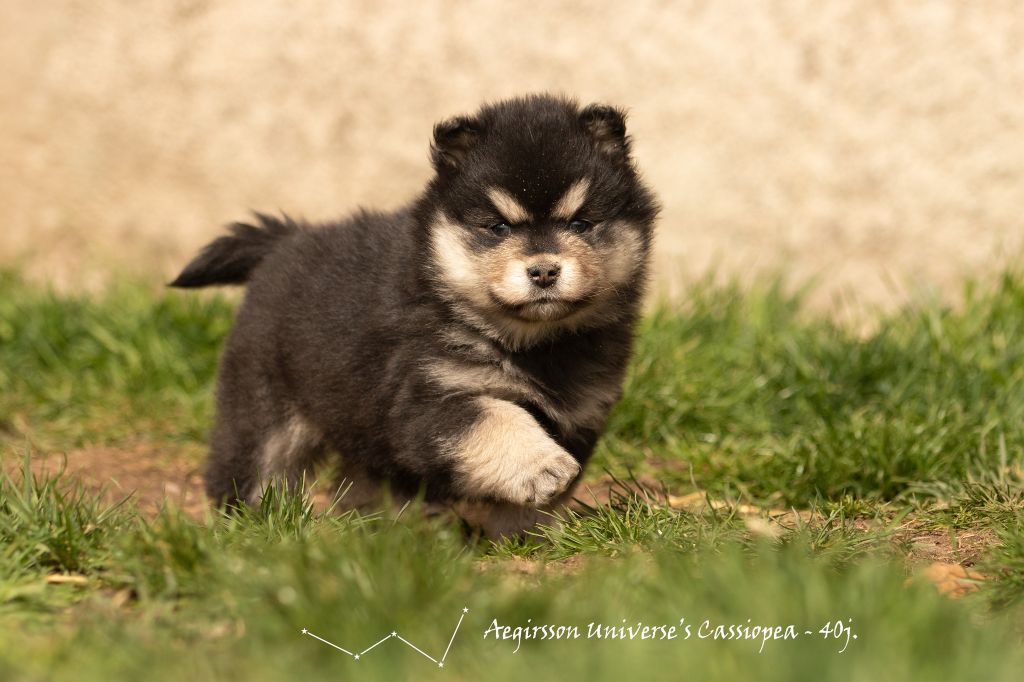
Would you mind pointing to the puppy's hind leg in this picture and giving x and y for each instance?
(244, 461)
(288, 454)
(230, 469)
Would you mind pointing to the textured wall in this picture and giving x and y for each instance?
(877, 144)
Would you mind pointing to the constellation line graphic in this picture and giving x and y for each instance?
(394, 634)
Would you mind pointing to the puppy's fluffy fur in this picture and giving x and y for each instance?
(468, 346)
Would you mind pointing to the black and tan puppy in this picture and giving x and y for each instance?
(467, 347)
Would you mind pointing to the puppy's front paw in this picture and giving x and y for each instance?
(542, 478)
(507, 456)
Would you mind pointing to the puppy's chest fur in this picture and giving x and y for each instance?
(571, 385)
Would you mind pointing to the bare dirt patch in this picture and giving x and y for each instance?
(926, 545)
(150, 474)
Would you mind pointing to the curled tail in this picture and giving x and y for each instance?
(231, 259)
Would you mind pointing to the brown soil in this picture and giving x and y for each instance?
(931, 546)
(150, 474)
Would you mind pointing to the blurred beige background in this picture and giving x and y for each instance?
(877, 145)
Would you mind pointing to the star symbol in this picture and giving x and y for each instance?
(441, 664)
(394, 634)
(465, 610)
(357, 657)
(305, 631)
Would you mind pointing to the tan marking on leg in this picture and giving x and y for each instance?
(506, 455)
(284, 456)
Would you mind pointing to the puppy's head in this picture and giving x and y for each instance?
(537, 219)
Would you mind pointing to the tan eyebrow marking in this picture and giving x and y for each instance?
(507, 205)
(572, 200)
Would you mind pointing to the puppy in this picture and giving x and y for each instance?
(467, 347)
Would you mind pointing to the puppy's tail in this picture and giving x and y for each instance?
(231, 259)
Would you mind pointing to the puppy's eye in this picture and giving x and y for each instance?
(501, 229)
(581, 226)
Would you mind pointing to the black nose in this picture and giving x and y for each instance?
(544, 274)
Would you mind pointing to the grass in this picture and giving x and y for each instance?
(757, 398)
(914, 426)
(110, 369)
(172, 599)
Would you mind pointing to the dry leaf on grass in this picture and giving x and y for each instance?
(699, 500)
(61, 579)
(952, 580)
(763, 527)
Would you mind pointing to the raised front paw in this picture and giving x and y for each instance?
(507, 456)
(543, 477)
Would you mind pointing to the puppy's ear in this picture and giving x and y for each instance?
(453, 140)
(607, 125)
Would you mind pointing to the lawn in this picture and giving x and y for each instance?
(774, 475)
